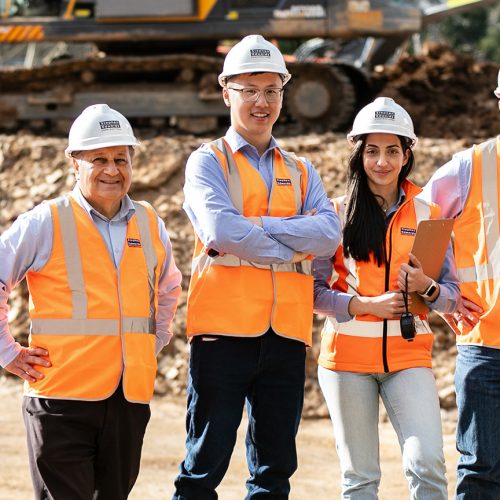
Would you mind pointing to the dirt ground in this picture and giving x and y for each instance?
(317, 477)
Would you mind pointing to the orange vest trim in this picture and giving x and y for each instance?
(256, 297)
(97, 323)
(477, 245)
(358, 345)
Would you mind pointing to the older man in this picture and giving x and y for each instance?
(103, 291)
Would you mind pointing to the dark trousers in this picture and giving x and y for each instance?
(269, 373)
(84, 450)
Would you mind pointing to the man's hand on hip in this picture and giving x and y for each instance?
(24, 364)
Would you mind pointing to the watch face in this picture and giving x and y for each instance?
(431, 290)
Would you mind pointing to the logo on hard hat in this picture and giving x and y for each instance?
(385, 115)
(260, 53)
(108, 124)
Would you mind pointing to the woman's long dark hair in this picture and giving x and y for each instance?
(365, 226)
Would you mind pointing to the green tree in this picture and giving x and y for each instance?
(490, 44)
(476, 32)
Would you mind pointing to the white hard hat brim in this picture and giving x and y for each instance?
(224, 76)
(109, 144)
(353, 139)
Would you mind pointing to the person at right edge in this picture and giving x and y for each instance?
(363, 354)
(467, 188)
(258, 212)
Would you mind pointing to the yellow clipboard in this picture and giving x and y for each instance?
(429, 247)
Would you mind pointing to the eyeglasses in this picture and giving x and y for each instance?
(252, 95)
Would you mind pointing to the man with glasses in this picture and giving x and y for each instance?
(259, 215)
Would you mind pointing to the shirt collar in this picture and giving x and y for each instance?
(236, 142)
(127, 209)
(401, 199)
(402, 196)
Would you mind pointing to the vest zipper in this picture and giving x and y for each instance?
(387, 272)
(122, 340)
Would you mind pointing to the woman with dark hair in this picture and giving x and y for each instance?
(363, 289)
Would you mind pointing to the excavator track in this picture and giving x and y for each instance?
(178, 90)
(156, 87)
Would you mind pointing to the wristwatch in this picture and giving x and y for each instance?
(429, 291)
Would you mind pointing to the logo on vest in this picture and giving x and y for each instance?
(409, 231)
(109, 124)
(132, 242)
(283, 182)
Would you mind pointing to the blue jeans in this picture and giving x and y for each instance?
(410, 397)
(269, 373)
(477, 382)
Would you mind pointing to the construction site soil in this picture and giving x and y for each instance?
(450, 99)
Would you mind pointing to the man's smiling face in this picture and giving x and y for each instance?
(104, 177)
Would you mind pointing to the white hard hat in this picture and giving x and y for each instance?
(384, 116)
(99, 126)
(497, 90)
(254, 54)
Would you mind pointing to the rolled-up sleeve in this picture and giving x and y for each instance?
(169, 289)
(9, 348)
(25, 246)
(449, 186)
(449, 289)
(327, 301)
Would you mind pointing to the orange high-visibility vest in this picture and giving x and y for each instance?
(230, 296)
(477, 245)
(367, 343)
(97, 322)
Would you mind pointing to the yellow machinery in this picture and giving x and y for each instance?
(159, 60)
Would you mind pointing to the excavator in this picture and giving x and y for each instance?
(158, 60)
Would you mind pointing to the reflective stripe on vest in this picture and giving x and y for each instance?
(234, 180)
(201, 262)
(256, 296)
(477, 245)
(81, 324)
(236, 195)
(487, 153)
(373, 329)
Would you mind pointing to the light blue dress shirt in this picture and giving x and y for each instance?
(221, 227)
(449, 186)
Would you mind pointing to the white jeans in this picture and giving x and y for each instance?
(411, 400)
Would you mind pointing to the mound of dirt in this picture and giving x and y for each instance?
(447, 94)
